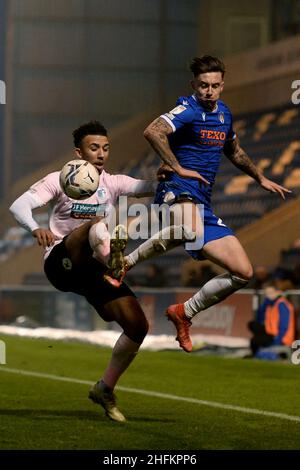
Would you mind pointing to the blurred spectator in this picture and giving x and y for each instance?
(132, 280)
(195, 274)
(283, 279)
(275, 321)
(261, 275)
(296, 274)
(296, 243)
(154, 276)
(6, 310)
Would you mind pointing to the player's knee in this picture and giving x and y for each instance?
(137, 336)
(239, 281)
(244, 274)
(98, 234)
(248, 273)
(138, 330)
(142, 329)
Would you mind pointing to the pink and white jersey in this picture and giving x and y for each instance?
(68, 214)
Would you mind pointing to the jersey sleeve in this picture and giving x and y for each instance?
(22, 209)
(231, 135)
(128, 186)
(46, 189)
(180, 115)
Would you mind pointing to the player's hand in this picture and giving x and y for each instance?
(44, 237)
(185, 173)
(163, 173)
(269, 185)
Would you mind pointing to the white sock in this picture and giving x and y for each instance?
(99, 239)
(165, 240)
(212, 292)
(123, 354)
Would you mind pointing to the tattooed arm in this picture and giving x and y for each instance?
(240, 159)
(157, 135)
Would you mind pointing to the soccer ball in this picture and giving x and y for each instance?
(79, 179)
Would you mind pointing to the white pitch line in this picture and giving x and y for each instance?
(167, 396)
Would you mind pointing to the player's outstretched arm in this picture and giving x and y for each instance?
(22, 209)
(240, 159)
(157, 135)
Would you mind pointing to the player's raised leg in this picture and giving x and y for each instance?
(80, 244)
(91, 238)
(99, 240)
(187, 226)
(228, 253)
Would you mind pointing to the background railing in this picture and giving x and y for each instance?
(43, 306)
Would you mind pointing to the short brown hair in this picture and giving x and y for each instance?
(206, 63)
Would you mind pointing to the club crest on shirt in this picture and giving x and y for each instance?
(221, 117)
(101, 193)
(203, 116)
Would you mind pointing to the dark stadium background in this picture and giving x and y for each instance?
(124, 62)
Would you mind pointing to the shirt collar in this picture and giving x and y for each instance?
(204, 109)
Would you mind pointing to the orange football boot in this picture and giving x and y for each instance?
(176, 314)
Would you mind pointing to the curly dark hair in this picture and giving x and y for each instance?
(89, 128)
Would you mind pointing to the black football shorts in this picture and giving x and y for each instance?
(86, 280)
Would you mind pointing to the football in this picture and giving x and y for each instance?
(79, 179)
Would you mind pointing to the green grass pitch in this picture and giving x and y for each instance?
(42, 413)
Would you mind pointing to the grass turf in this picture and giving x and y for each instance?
(38, 413)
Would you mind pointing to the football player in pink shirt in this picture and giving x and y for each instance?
(77, 248)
